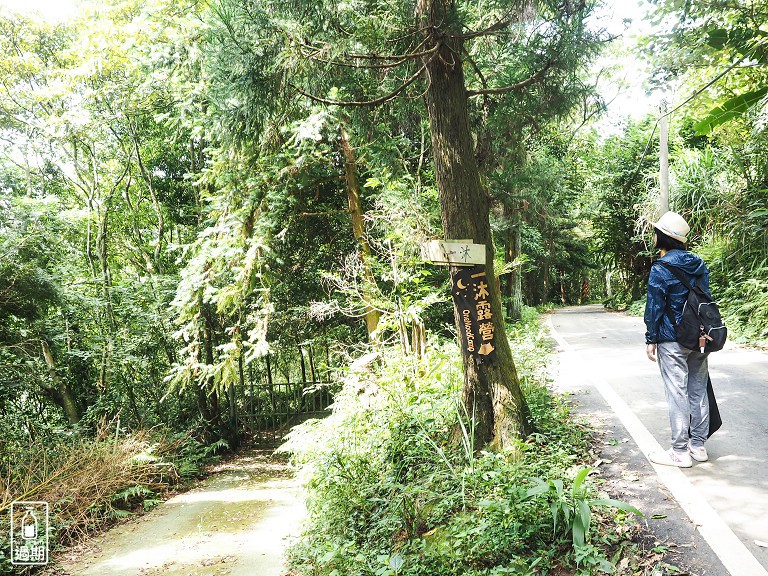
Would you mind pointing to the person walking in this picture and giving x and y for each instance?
(684, 372)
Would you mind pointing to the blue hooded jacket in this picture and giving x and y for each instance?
(663, 287)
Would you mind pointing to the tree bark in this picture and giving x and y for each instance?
(491, 390)
(58, 390)
(356, 212)
(155, 203)
(514, 249)
(210, 383)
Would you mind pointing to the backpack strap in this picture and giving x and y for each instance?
(683, 280)
(676, 272)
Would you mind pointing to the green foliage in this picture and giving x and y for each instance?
(194, 455)
(695, 41)
(557, 241)
(573, 511)
(720, 185)
(637, 308)
(395, 486)
(618, 190)
(125, 500)
(740, 290)
(730, 109)
(720, 189)
(92, 213)
(172, 210)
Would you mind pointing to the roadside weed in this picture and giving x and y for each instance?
(396, 487)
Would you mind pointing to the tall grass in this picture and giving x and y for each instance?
(741, 287)
(723, 194)
(89, 483)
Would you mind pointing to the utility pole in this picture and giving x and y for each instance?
(664, 159)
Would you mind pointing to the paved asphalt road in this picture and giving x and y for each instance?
(610, 348)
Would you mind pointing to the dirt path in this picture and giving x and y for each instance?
(237, 522)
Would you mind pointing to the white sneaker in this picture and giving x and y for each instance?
(671, 458)
(699, 454)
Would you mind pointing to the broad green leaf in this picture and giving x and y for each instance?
(585, 515)
(604, 566)
(540, 488)
(396, 562)
(617, 504)
(742, 40)
(579, 532)
(730, 109)
(555, 509)
(718, 38)
(579, 479)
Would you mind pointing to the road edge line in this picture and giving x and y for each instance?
(731, 551)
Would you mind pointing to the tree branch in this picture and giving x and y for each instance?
(490, 30)
(377, 101)
(325, 213)
(504, 89)
(483, 81)
(394, 64)
(396, 59)
(506, 19)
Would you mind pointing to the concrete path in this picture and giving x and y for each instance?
(605, 365)
(237, 522)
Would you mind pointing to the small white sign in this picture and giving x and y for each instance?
(453, 252)
(29, 533)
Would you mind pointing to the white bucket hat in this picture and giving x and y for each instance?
(674, 226)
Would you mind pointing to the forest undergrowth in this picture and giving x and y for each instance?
(395, 486)
(93, 482)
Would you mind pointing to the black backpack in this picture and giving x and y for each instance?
(701, 326)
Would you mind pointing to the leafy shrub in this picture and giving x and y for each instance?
(741, 289)
(619, 301)
(188, 454)
(637, 308)
(395, 487)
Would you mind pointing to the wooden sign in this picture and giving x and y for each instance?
(469, 288)
(453, 252)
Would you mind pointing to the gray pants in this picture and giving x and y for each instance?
(684, 373)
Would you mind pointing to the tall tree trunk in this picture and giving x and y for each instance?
(232, 427)
(201, 386)
(356, 212)
(210, 384)
(202, 402)
(514, 249)
(102, 253)
(58, 389)
(155, 203)
(491, 390)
